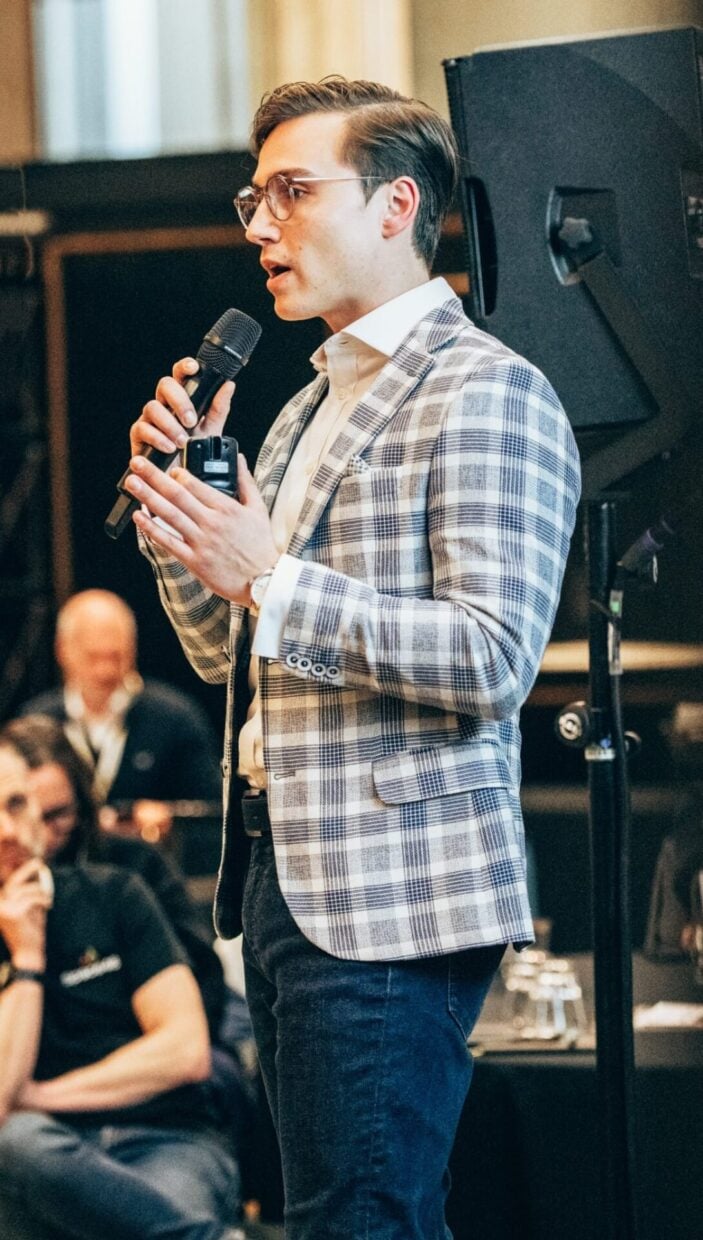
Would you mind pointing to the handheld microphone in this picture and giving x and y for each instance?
(225, 349)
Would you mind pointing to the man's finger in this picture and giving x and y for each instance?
(164, 497)
(249, 493)
(205, 494)
(26, 873)
(213, 422)
(184, 368)
(173, 399)
(164, 539)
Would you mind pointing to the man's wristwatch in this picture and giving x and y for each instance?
(9, 973)
(258, 589)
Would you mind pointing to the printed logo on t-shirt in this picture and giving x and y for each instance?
(91, 969)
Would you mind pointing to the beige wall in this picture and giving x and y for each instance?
(17, 119)
(306, 39)
(395, 40)
(445, 28)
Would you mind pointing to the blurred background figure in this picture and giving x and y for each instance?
(106, 1119)
(60, 782)
(144, 741)
(675, 905)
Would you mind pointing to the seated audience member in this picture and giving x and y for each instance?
(60, 781)
(142, 739)
(675, 905)
(105, 1123)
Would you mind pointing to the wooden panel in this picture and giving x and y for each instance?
(18, 139)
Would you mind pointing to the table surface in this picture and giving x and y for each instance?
(652, 981)
(525, 1162)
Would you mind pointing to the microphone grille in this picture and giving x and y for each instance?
(229, 343)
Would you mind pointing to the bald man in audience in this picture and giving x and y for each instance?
(143, 739)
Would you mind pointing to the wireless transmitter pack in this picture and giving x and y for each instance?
(213, 459)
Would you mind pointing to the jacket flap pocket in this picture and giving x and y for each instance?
(419, 774)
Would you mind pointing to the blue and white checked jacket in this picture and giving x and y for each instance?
(433, 537)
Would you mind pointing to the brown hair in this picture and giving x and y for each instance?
(388, 135)
(41, 741)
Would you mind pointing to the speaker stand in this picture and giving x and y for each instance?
(609, 820)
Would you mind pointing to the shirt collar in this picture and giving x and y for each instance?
(120, 700)
(385, 328)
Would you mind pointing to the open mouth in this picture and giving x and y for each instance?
(276, 270)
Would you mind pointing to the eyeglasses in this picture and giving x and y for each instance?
(281, 195)
(59, 815)
(16, 806)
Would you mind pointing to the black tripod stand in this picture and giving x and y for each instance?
(598, 726)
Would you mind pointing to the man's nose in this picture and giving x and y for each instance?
(7, 824)
(263, 225)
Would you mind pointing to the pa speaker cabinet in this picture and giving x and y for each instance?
(608, 129)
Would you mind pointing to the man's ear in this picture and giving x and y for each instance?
(402, 206)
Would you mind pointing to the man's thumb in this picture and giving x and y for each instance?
(248, 491)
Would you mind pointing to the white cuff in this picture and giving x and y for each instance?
(272, 617)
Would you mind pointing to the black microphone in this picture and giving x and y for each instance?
(226, 348)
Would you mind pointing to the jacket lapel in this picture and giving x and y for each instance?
(394, 385)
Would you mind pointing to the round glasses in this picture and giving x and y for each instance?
(59, 815)
(280, 193)
(16, 806)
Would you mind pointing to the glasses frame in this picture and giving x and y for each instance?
(256, 194)
(16, 807)
(59, 814)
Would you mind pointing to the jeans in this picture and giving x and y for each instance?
(366, 1068)
(112, 1183)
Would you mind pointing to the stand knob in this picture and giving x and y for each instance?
(573, 725)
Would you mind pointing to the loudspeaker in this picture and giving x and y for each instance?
(607, 129)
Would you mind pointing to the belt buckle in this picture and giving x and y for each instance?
(255, 814)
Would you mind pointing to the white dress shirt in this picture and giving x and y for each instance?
(100, 739)
(352, 359)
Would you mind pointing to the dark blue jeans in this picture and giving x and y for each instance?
(112, 1183)
(366, 1068)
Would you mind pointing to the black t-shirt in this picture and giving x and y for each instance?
(106, 937)
(167, 883)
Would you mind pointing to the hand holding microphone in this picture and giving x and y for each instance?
(161, 431)
(225, 542)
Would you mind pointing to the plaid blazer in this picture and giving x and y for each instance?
(433, 540)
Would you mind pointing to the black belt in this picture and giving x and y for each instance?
(255, 813)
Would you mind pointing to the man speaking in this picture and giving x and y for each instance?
(378, 599)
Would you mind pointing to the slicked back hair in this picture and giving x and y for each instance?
(387, 135)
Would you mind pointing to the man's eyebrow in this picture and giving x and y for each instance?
(289, 173)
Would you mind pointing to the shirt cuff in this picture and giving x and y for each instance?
(273, 614)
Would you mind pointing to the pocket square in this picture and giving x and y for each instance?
(357, 465)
